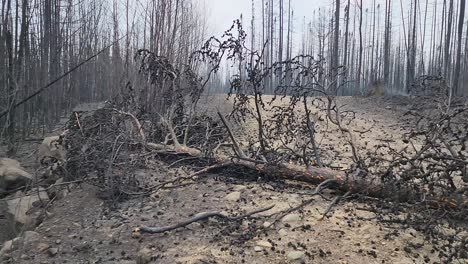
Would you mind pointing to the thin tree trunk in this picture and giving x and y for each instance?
(335, 56)
(448, 36)
(458, 58)
(361, 49)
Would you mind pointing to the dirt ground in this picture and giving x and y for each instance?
(82, 228)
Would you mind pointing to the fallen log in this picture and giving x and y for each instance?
(350, 183)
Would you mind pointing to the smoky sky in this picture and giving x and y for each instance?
(221, 13)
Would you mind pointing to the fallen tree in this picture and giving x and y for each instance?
(284, 146)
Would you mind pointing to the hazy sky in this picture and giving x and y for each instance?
(223, 12)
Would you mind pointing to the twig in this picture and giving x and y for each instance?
(334, 202)
(136, 123)
(236, 147)
(79, 124)
(322, 186)
(197, 218)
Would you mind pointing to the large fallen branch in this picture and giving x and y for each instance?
(350, 183)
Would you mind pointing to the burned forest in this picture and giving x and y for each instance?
(233, 131)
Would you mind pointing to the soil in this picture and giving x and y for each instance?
(84, 228)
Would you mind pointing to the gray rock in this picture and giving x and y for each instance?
(240, 188)
(50, 155)
(59, 191)
(52, 252)
(8, 229)
(291, 218)
(12, 175)
(144, 256)
(31, 237)
(295, 255)
(22, 207)
(6, 248)
(283, 232)
(233, 197)
(42, 247)
(264, 244)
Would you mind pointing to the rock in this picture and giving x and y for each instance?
(6, 248)
(295, 255)
(144, 256)
(7, 162)
(8, 228)
(413, 236)
(365, 214)
(22, 208)
(245, 224)
(266, 224)
(411, 231)
(264, 244)
(59, 191)
(463, 235)
(283, 232)
(42, 247)
(84, 247)
(136, 234)
(50, 151)
(258, 249)
(30, 237)
(340, 215)
(294, 198)
(291, 218)
(447, 231)
(12, 175)
(52, 252)
(239, 188)
(233, 197)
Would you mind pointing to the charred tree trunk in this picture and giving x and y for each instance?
(336, 52)
(458, 57)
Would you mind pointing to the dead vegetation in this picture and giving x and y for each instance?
(427, 176)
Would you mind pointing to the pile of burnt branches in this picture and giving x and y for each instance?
(433, 159)
(104, 148)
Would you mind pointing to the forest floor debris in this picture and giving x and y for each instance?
(83, 229)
